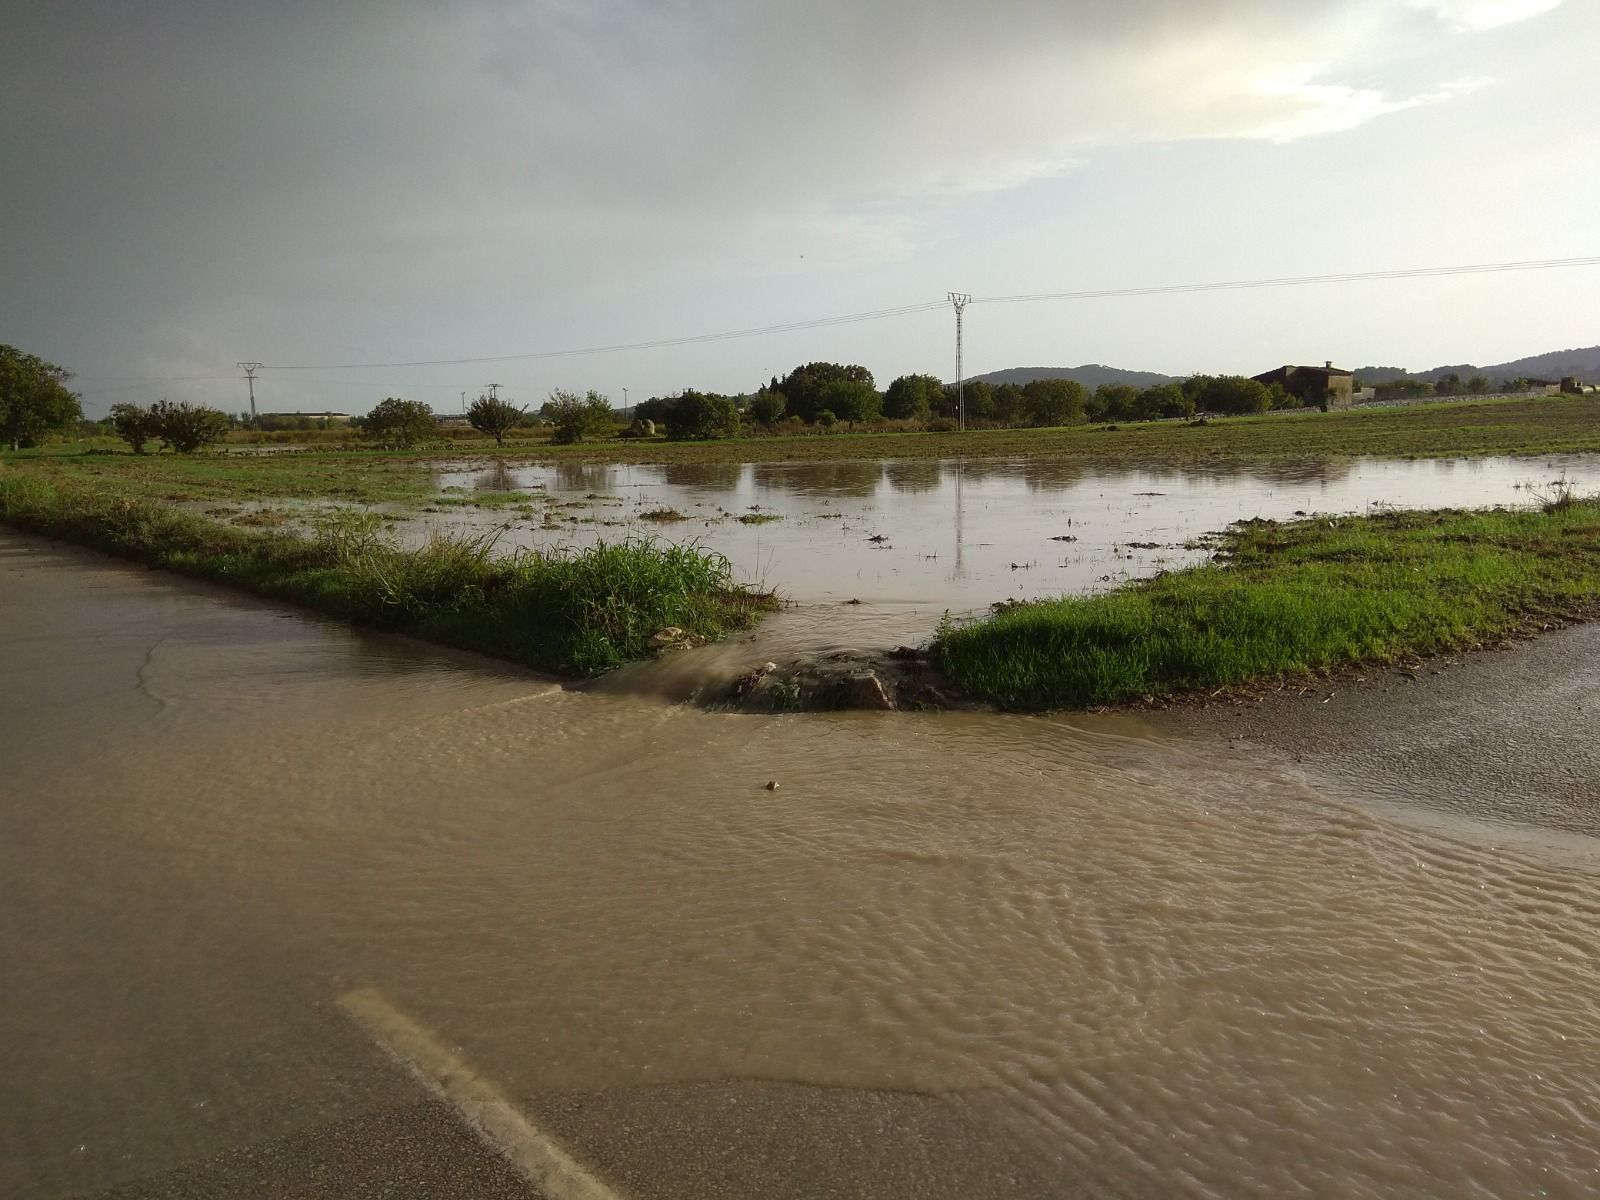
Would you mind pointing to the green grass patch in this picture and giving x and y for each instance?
(577, 612)
(1287, 600)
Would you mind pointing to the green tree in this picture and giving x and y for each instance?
(851, 400)
(188, 427)
(34, 401)
(1227, 394)
(1449, 384)
(701, 416)
(577, 417)
(1164, 400)
(1279, 396)
(400, 423)
(1478, 385)
(802, 387)
(134, 425)
(979, 395)
(1114, 402)
(1054, 401)
(912, 396)
(494, 416)
(767, 406)
(1008, 404)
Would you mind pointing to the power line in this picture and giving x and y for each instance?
(1299, 280)
(907, 309)
(660, 343)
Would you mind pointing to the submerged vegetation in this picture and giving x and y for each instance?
(576, 612)
(1289, 599)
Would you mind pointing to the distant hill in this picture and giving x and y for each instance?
(1091, 375)
(1585, 364)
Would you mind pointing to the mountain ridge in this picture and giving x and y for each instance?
(1582, 362)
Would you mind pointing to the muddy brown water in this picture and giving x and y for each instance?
(960, 535)
(1141, 964)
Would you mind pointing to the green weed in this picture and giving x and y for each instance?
(577, 612)
(1289, 599)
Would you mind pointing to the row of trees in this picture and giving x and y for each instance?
(183, 427)
(828, 393)
(1448, 384)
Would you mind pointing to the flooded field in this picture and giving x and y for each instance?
(1065, 958)
(958, 535)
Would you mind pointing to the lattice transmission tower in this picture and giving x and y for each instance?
(960, 300)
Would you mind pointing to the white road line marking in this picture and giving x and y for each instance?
(481, 1104)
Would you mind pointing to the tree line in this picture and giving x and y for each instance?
(827, 394)
(35, 403)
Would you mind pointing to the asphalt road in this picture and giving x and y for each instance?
(1508, 735)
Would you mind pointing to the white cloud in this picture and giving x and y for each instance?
(1474, 15)
(1317, 108)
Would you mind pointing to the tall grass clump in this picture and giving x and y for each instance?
(575, 612)
(1287, 600)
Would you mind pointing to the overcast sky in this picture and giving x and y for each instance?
(186, 185)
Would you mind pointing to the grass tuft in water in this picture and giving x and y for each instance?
(576, 612)
(1287, 600)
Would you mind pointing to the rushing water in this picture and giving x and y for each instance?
(1126, 960)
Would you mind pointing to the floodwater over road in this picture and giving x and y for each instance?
(954, 955)
(929, 535)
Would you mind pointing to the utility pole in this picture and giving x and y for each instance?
(463, 404)
(250, 370)
(493, 388)
(960, 300)
(625, 403)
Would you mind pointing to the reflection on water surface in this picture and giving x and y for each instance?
(962, 535)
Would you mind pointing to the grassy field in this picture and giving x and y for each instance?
(573, 613)
(1286, 600)
(371, 477)
(1557, 424)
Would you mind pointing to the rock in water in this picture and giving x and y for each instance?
(867, 691)
(670, 638)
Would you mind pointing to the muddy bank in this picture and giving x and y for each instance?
(1510, 734)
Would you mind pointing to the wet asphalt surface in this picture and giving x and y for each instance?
(1508, 735)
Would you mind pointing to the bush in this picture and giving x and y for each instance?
(134, 425)
(400, 423)
(700, 416)
(826, 419)
(493, 416)
(767, 407)
(187, 427)
(577, 417)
